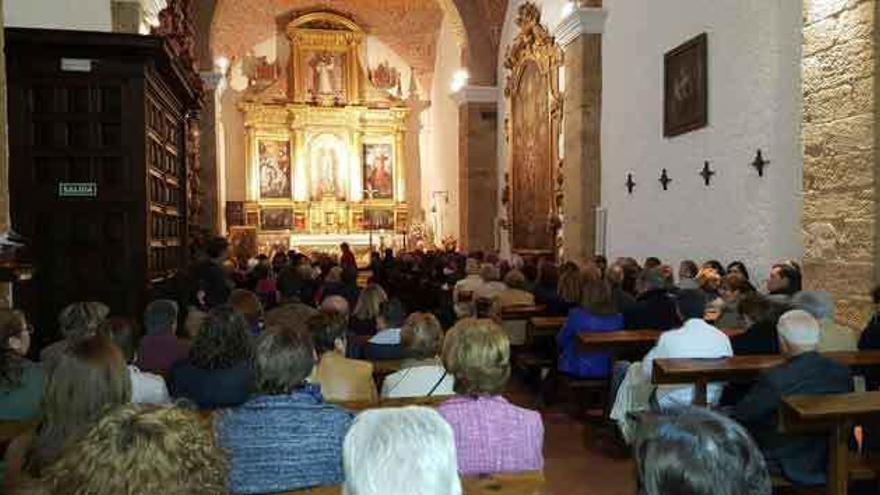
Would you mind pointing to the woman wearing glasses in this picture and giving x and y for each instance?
(21, 380)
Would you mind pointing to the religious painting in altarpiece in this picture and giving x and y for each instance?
(378, 162)
(534, 118)
(273, 155)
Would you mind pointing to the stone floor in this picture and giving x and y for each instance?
(574, 463)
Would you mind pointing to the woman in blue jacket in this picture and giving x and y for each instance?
(596, 314)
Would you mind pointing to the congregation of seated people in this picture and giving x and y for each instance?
(251, 377)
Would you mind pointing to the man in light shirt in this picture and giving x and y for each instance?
(422, 374)
(695, 339)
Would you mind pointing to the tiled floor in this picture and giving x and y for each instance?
(573, 461)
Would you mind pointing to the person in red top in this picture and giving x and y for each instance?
(347, 260)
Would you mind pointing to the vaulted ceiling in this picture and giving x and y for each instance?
(409, 27)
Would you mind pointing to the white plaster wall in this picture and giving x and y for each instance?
(440, 169)
(754, 102)
(84, 15)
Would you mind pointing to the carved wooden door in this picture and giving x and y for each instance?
(532, 191)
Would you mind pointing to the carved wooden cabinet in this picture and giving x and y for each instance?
(98, 166)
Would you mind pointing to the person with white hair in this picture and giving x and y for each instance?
(400, 451)
(832, 337)
(464, 290)
(802, 459)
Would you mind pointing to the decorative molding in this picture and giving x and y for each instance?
(584, 20)
(475, 94)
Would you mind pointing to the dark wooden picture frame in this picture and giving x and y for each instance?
(276, 219)
(686, 87)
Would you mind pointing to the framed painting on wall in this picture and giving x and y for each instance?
(276, 218)
(273, 156)
(378, 219)
(378, 171)
(686, 87)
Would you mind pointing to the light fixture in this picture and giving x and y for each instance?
(459, 80)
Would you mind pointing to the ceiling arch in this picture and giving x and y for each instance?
(409, 27)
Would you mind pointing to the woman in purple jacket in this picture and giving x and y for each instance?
(597, 313)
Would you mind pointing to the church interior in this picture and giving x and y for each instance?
(521, 247)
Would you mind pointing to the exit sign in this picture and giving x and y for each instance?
(77, 190)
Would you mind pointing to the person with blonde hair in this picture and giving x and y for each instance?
(570, 284)
(515, 293)
(89, 376)
(21, 380)
(464, 290)
(491, 434)
(76, 321)
(491, 287)
(400, 451)
(367, 309)
(422, 373)
(141, 450)
(801, 459)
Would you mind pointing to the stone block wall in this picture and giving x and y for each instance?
(840, 202)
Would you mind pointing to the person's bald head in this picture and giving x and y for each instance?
(335, 304)
(798, 332)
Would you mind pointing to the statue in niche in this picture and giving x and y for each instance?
(325, 76)
(324, 70)
(326, 176)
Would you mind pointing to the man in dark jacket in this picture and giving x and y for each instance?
(802, 459)
(654, 308)
(214, 281)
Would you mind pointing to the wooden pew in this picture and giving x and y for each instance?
(833, 414)
(701, 372)
(357, 406)
(532, 483)
(515, 321)
(625, 340)
(544, 326)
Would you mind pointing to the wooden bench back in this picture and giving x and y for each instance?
(529, 483)
(432, 401)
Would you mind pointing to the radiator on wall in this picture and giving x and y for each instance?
(601, 230)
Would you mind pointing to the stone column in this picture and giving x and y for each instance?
(840, 137)
(580, 35)
(478, 166)
(213, 208)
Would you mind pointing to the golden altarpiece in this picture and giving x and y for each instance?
(325, 155)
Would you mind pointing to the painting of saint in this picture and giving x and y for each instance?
(274, 160)
(325, 75)
(379, 219)
(276, 218)
(378, 166)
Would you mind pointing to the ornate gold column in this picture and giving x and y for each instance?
(580, 36)
(478, 166)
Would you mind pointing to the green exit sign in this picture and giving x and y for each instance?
(77, 190)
